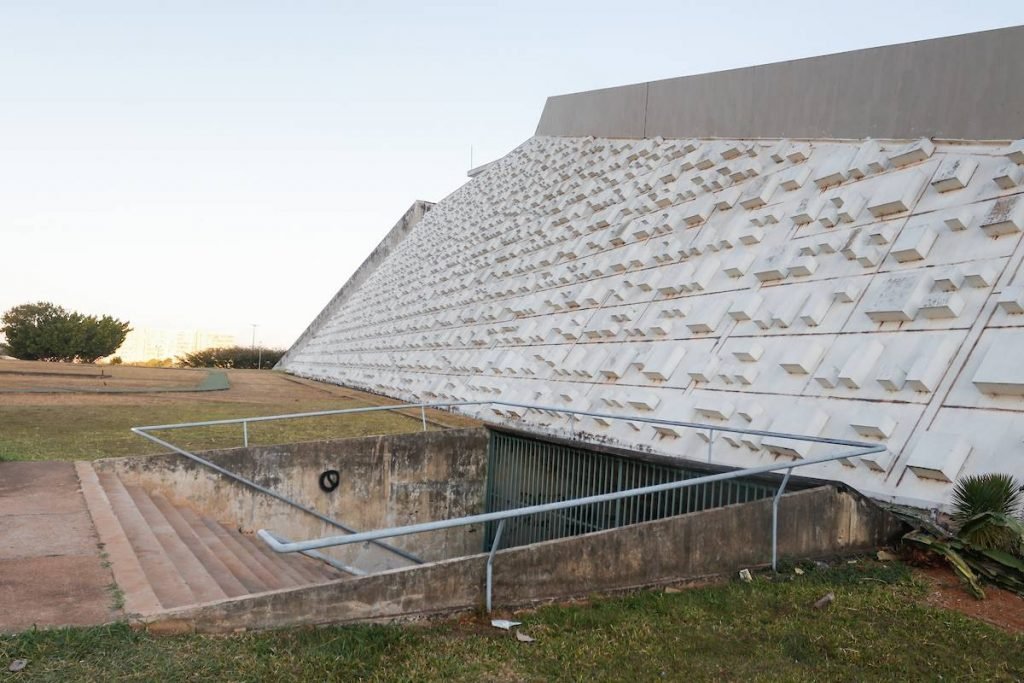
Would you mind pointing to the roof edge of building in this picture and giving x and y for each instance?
(399, 232)
(966, 87)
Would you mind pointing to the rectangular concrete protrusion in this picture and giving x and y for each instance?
(897, 194)
(939, 456)
(914, 243)
(1006, 217)
(802, 358)
(1001, 372)
(912, 153)
(806, 422)
(954, 174)
(1011, 299)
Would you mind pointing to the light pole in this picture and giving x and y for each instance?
(254, 326)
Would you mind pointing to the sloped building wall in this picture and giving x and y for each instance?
(858, 290)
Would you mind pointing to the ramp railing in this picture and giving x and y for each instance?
(377, 536)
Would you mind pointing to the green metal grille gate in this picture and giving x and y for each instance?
(522, 471)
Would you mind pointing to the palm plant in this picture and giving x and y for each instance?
(999, 494)
(989, 544)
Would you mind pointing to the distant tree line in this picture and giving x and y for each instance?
(236, 357)
(45, 331)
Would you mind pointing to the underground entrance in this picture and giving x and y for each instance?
(401, 480)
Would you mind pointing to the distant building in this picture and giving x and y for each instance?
(145, 343)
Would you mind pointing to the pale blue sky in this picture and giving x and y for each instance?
(219, 163)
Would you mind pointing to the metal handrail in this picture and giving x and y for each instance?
(860, 448)
(502, 516)
(270, 492)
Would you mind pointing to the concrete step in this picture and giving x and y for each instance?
(307, 570)
(238, 567)
(268, 577)
(286, 567)
(212, 563)
(139, 597)
(167, 583)
(167, 555)
(203, 586)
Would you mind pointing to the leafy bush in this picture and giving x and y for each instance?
(116, 360)
(44, 331)
(236, 357)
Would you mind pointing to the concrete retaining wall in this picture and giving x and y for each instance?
(968, 87)
(815, 523)
(385, 481)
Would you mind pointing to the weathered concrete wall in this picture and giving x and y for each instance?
(385, 481)
(814, 523)
(968, 87)
(394, 237)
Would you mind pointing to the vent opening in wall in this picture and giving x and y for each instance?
(525, 470)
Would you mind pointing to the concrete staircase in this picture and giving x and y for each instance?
(166, 556)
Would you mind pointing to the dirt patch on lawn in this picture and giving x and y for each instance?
(1000, 608)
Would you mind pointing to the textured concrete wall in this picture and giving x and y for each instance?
(394, 237)
(858, 290)
(962, 87)
(385, 481)
(815, 523)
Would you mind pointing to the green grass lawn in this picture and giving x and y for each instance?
(86, 432)
(877, 629)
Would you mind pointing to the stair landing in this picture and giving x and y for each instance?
(51, 572)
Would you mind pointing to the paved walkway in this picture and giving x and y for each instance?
(51, 572)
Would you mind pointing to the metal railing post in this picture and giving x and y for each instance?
(423, 416)
(245, 434)
(711, 442)
(775, 520)
(490, 564)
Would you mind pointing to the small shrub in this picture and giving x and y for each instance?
(997, 493)
(116, 360)
(238, 357)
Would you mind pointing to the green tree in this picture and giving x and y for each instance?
(45, 331)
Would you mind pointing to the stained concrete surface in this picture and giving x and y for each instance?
(820, 522)
(51, 572)
(386, 481)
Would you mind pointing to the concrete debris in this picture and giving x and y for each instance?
(745, 576)
(825, 600)
(17, 665)
(670, 589)
(798, 571)
(523, 638)
(504, 624)
(886, 556)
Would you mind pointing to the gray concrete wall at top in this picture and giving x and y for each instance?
(967, 87)
(394, 237)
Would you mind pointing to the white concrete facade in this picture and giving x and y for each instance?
(866, 290)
